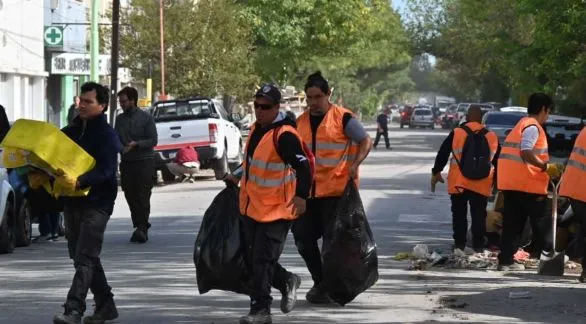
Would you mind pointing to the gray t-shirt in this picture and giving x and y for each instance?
(529, 138)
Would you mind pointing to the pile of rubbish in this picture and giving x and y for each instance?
(422, 258)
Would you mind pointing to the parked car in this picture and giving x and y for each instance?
(422, 117)
(8, 215)
(501, 123)
(395, 115)
(562, 132)
(406, 116)
(449, 119)
(202, 123)
(513, 109)
(485, 108)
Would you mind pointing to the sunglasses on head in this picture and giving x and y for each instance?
(263, 106)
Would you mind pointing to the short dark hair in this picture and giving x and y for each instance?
(317, 80)
(130, 93)
(102, 93)
(537, 101)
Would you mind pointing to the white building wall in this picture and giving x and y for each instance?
(22, 75)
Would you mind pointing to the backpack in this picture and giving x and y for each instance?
(306, 151)
(476, 162)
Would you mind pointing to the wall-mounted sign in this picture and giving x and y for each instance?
(53, 36)
(78, 64)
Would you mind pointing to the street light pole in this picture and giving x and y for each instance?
(114, 58)
(94, 43)
(161, 23)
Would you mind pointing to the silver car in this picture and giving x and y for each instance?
(501, 123)
(422, 117)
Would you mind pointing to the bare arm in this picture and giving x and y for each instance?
(530, 157)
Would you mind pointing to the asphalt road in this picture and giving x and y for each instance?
(155, 282)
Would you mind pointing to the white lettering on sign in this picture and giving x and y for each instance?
(78, 64)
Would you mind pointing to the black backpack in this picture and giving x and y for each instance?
(476, 161)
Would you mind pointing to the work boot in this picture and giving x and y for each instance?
(104, 312)
(289, 297)
(139, 236)
(69, 317)
(318, 295)
(262, 316)
(133, 237)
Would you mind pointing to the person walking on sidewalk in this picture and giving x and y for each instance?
(523, 175)
(340, 144)
(86, 217)
(138, 134)
(275, 179)
(573, 186)
(382, 122)
(473, 190)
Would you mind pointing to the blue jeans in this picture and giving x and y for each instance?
(49, 224)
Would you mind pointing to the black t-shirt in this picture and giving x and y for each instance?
(383, 121)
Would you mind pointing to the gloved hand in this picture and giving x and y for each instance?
(37, 178)
(554, 170)
(65, 181)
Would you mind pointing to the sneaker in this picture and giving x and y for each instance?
(318, 295)
(289, 297)
(511, 267)
(141, 236)
(69, 317)
(105, 312)
(262, 316)
(133, 237)
(41, 238)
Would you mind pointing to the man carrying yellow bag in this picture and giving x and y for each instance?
(86, 216)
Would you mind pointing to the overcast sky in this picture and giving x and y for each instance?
(399, 4)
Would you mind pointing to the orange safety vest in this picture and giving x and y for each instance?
(267, 184)
(458, 182)
(334, 152)
(513, 173)
(574, 178)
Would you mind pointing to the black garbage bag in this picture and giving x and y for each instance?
(350, 261)
(218, 255)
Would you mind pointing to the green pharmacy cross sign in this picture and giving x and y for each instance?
(53, 36)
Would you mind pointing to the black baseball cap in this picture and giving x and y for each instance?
(271, 92)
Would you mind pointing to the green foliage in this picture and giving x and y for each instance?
(489, 46)
(207, 46)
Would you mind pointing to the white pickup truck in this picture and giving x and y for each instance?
(203, 124)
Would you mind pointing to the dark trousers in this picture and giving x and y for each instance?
(309, 228)
(264, 244)
(385, 134)
(85, 234)
(49, 223)
(137, 183)
(579, 210)
(518, 207)
(477, 204)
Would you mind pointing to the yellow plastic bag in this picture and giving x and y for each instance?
(44, 146)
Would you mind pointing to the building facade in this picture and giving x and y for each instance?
(22, 72)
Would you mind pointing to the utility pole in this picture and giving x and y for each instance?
(114, 58)
(161, 23)
(94, 43)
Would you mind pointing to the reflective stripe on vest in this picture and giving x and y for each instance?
(267, 184)
(457, 183)
(514, 173)
(334, 151)
(573, 182)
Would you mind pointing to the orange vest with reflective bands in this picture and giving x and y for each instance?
(267, 185)
(513, 173)
(334, 152)
(456, 181)
(574, 179)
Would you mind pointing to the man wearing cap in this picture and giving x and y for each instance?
(275, 179)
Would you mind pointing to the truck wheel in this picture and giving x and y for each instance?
(24, 225)
(7, 238)
(238, 160)
(221, 166)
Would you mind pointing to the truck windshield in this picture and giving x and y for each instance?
(182, 110)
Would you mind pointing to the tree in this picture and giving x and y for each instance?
(207, 46)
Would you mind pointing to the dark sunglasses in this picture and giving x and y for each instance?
(263, 106)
